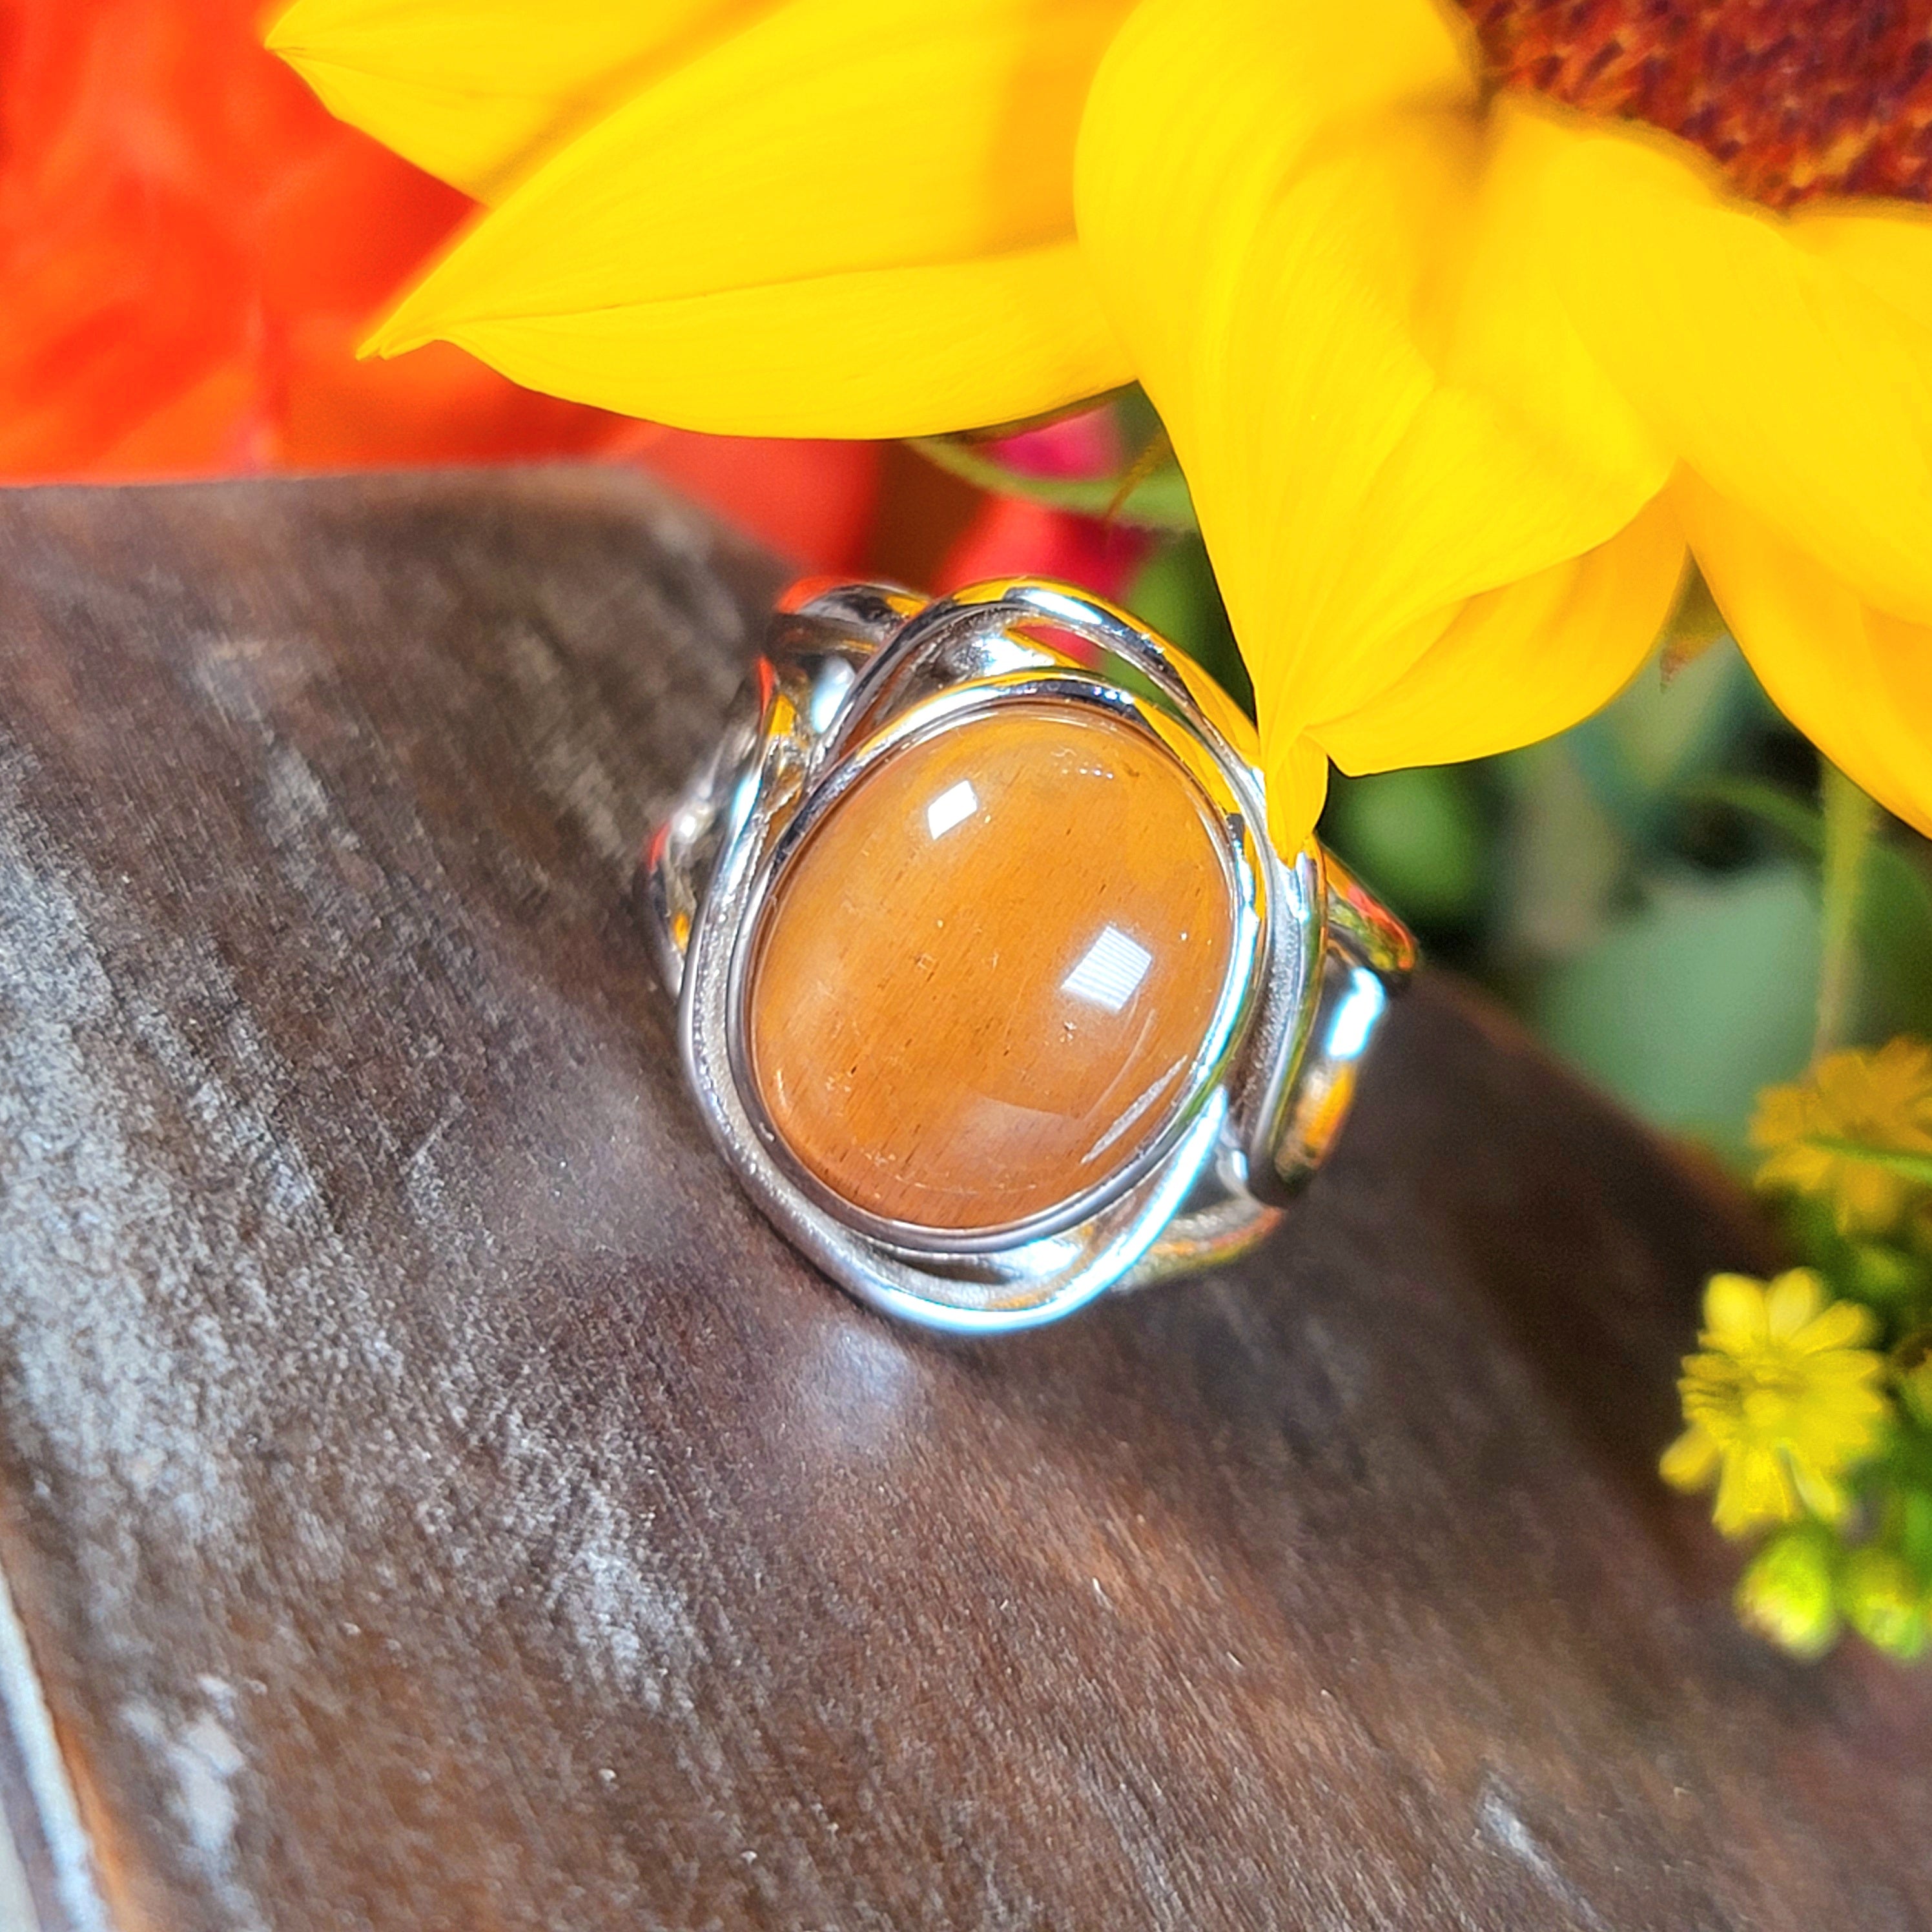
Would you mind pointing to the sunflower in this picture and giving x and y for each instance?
(1465, 322)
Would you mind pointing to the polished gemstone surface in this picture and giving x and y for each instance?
(979, 986)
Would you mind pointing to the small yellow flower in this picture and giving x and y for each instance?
(1783, 1400)
(1878, 1100)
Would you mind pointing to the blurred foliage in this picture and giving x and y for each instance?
(1426, 836)
(1688, 1003)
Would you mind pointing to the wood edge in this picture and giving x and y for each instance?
(52, 1865)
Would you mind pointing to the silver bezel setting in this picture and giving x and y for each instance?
(851, 678)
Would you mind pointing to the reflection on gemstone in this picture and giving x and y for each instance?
(916, 1034)
(953, 806)
(1107, 973)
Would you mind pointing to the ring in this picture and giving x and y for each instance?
(991, 987)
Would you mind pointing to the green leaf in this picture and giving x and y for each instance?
(1689, 1003)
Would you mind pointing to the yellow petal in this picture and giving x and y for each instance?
(1775, 371)
(1287, 204)
(1524, 662)
(474, 90)
(1844, 1324)
(1885, 245)
(1505, 324)
(1756, 1487)
(1296, 769)
(1177, 111)
(1856, 681)
(1825, 1499)
(1734, 1311)
(742, 186)
(1793, 1298)
(1691, 1462)
(892, 352)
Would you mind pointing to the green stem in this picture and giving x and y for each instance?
(1155, 500)
(1851, 823)
(1914, 1166)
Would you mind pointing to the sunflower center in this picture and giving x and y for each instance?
(1791, 98)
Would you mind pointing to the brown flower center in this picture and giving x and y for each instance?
(1791, 98)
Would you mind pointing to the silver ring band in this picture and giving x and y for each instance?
(855, 675)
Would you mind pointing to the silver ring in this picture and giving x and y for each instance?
(978, 1056)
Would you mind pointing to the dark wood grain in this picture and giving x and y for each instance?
(433, 1498)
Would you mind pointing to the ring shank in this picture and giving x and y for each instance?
(1367, 955)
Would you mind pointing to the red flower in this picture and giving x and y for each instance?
(191, 248)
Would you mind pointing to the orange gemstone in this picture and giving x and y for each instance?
(980, 986)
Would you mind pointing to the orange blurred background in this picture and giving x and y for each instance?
(191, 249)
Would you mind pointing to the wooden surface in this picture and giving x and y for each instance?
(432, 1498)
